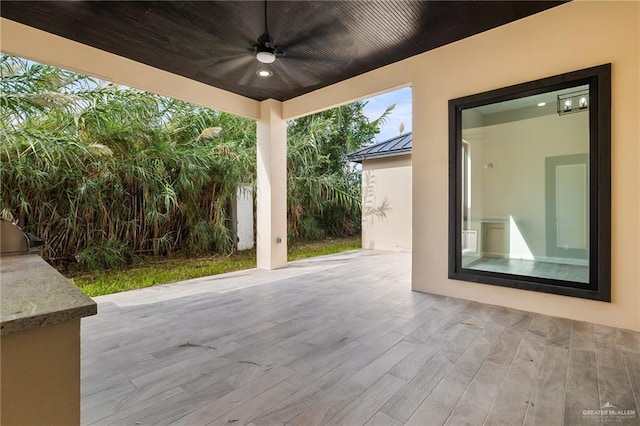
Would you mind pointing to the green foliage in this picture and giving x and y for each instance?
(152, 271)
(323, 190)
(103, 173)
(100, 171)
(105, 255)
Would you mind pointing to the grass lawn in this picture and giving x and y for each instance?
(153, 271)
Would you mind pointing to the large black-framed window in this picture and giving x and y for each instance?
(530, 185)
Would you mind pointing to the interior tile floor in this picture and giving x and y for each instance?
(342, 339)
(562, 271)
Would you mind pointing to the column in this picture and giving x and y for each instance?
(271, 238)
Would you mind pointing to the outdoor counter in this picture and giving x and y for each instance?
(33, 294)
(40, 314)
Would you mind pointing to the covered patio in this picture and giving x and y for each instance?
(342, 339)
(364, 337)
(446, 50)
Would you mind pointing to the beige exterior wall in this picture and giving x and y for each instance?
(40, 376)
(386, 203)
(539, 46)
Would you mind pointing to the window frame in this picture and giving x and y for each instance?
(599, 286)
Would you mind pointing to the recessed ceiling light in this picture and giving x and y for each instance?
(264, 73)
(541, 104)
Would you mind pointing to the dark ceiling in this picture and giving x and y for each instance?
(324, 41)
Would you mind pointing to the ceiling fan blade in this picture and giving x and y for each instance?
(221, 60)
(206, 17)
(314, 63)
(299, 78)
(232, 66)
(296, 57)
(211, 47)
(249, 73)
(281, 12)
(321, 15)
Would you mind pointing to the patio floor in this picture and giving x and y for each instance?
(342, 339)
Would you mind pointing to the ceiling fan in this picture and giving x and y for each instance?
(265, 48)
(244, 59)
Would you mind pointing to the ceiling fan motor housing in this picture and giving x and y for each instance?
(266, 56)
(266, 52)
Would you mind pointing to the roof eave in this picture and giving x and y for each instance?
(377, 156)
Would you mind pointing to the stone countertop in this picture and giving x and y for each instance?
(33, 294)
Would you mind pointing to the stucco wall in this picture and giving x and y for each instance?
(539, 46)
(40, 377)
(386, 203)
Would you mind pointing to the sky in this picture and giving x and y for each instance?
(400, 114)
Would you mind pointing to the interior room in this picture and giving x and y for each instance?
(507, 146)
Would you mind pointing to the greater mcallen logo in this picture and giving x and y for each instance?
(610, 412)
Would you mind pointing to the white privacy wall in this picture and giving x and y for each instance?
(244, 217)
(386, 204)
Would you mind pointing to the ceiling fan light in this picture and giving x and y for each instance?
(266, 57)
(264, 73)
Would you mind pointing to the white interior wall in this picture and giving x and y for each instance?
(516, 151)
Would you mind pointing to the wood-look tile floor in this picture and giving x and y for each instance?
(342, 340)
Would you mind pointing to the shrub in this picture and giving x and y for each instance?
(105, 255)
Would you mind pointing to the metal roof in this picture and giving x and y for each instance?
(400, 145)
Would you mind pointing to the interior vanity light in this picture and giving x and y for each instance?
(573, 102)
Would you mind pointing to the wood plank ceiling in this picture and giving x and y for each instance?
(212, 41)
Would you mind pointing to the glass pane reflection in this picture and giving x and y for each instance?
(525, 187)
